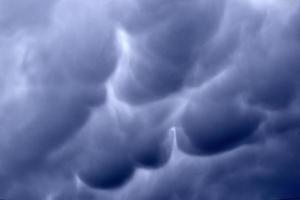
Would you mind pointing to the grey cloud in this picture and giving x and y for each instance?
(25, 15)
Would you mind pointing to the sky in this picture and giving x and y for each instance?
(149, 99)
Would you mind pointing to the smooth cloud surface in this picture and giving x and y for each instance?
(149, 99)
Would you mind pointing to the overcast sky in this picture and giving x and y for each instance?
(149, 99)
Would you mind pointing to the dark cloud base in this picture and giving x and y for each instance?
(149, 99)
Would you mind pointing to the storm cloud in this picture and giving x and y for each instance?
(149, 99)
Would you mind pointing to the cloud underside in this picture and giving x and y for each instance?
(149, 99)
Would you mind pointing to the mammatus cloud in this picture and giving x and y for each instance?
(149, 99)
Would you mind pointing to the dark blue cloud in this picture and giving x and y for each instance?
(148, 135)
(215, 127)
(166, 51)
(113, 171)
(149, 99)
(105, 161)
